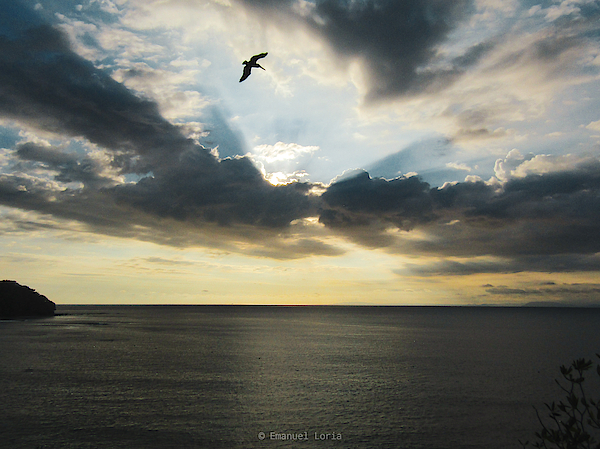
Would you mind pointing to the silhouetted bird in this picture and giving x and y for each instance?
(252, 63)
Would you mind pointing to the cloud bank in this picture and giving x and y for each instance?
(137, 175)
(48, 87)
(395, 41)
(536, 218)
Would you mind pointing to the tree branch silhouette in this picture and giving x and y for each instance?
(574, 422)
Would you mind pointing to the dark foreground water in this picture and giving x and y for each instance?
(341, 377)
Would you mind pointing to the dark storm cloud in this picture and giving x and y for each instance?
(503, 290)
(361, 201)
(506, 265)
(52, 156)
(234, 192)
(111, 213)
(70, 168)
(565, 206)
(554, 213)
(45, 85)
(548, 222)
(396, 40)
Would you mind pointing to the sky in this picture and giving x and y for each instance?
(414, 152)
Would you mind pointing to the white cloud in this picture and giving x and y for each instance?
(6, 157)
(565, 8)
(515, 84)
(128, 44)
(165, 87)
(107, 6)
(279, 178)
(473, 178)
(459, 166)
(277, 163)
(515, 165)
(534, 10)
(77, 30)
(544, 163)
(282, 152)
(504, 167)
(594, 126)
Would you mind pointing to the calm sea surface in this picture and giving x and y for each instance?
(341, 377)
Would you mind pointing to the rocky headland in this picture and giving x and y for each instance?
(20, 301)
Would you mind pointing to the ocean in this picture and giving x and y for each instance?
(285, 377)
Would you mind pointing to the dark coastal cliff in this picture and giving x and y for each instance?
(21, 301)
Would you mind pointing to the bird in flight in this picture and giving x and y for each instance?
(248, 65)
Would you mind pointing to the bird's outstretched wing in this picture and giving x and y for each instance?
(255, 58)
(246, 74)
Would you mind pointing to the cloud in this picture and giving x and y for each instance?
(550, 213)
(459, 166)
(504, 69)
(280, 163)
(594, 126)
(543, 221)
(363, 201)
(396, 43)
(575, 8)
(163, 261)
(510, 92)
(226, 192)
(504, 168)
(575, 294)
(452, 266)
(480, 133)
(477, 83)
(503, 290)
(137, 175)
(226, 204)
(93, 170)
(282, 151)
(47, 86)
(545, 163)
(424, 157)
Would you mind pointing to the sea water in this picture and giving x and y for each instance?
(285, 377)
